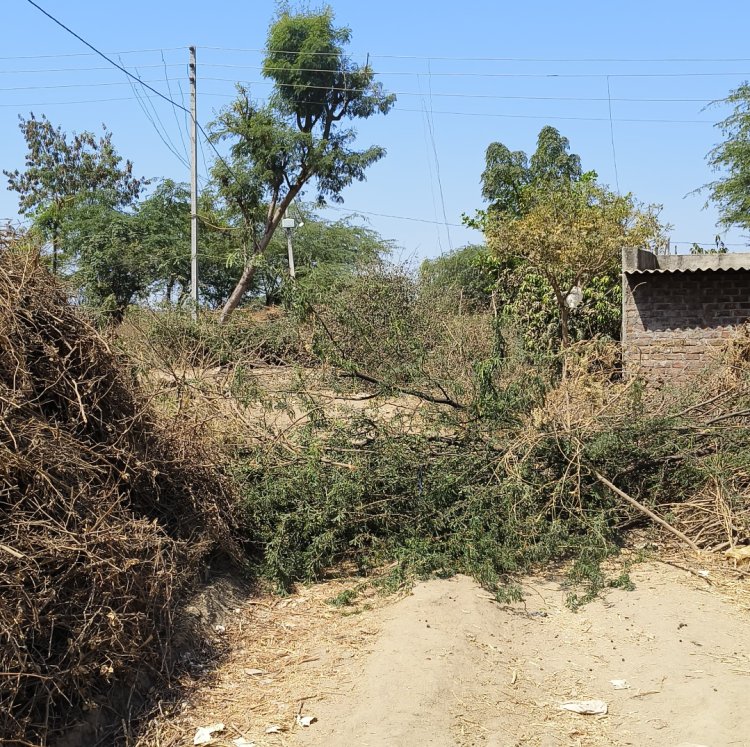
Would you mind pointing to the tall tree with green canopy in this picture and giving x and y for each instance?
(571, 234)
(731, 192)
(299, 136)
(507, 172)
(165, 219)
(554, 229)
(113, 265)
(61, 171)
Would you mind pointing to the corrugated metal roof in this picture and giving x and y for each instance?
(638, 262)
(668, 271)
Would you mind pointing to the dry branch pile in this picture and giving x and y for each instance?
(105, 514)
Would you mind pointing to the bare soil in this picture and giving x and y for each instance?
(444, 664)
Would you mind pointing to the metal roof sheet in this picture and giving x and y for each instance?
(639, 261)
(672, 271)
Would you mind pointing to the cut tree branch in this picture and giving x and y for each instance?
(647, 511)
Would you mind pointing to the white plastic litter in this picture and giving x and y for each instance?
(620, 684)
(586, 707)
(274, 729)
(305, 720)
(205, 734)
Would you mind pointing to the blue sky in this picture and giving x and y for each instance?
(466, 73)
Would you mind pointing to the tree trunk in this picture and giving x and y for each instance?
(239, 291)
(249, 272)
(55, 242)
(564, 333)
(562, 307)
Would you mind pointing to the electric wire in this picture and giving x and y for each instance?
(493, 59)
(354, 211)
(135, 78)
(397, 93)
(147, 114)
(612, 138)
(174, 110)
(82, 69)
(501, 115)
(465, 74)
(86, 54)
(431, 178)
(431, 127)
(76, 85)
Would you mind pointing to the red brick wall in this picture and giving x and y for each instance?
(676, 324)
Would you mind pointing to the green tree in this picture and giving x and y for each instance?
(164, 220)
(570, 234)
(113, 266)
(719, 247)
(731, 192)
(323, 251)
(507, 173)
(298, 137)
(61, 171)
(468, 273)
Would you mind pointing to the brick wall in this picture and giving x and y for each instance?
(675, 324)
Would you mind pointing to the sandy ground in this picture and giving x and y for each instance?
(446, 665)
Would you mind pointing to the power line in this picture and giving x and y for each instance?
(65, 103)
(382, 73)
(431, 127)
(163, 137)
(86, 54)
(612, 137)
(436, 58)
(174, 109)
(397, 93)
(555, 116)
(78, 69)
(354, 211)
(493, 59)
(464, 74)
(80, 85)
(494, 115)
(425, 129)
(134, 77)
(477, 114)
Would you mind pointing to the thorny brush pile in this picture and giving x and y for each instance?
(431, 441)
(106, 513)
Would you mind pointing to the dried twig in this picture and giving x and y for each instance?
(647, 511)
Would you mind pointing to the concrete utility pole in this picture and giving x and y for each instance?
(193, 188)
(288, 224)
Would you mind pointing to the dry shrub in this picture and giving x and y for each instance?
(681, 450)
(105, 515)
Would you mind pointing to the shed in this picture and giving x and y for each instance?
(679, 311)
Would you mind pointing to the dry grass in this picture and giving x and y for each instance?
(105, 516)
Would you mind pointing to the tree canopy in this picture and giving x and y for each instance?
(507, 172)
(571, 233)
(299, 137)
(731, 192)
(61, 171)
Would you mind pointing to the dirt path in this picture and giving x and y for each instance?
(448, 666)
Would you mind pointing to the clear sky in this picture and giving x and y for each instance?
(466, 73)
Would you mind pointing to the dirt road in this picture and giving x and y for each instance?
(446, 665)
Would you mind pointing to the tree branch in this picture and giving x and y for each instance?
(647, 511)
